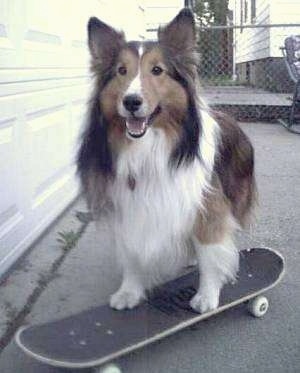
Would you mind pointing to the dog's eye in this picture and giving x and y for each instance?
(156, 70)
(122, 70)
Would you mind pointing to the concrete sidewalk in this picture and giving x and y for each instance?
(58, 278)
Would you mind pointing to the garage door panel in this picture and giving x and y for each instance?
(8, 203)
(7, 164)
(36, 168)
(38, 86)
(38, 74)
(48, 146)
(51, 17)
(42, 40)
(51, 186)
(10, 214)
(52, 38)
(7, 48)
(79, 110)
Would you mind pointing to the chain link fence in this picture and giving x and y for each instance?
(243, 71)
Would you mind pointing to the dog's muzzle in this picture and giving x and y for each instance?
(137, 126)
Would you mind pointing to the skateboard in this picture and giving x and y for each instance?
(96, 337)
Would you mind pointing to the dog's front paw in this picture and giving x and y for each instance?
(205, 301)
(126, 299)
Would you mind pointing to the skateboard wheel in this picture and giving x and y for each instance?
(258, 306)
(110, 368)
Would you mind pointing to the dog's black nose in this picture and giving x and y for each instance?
(132, 102)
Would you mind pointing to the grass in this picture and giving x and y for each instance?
(68, 239)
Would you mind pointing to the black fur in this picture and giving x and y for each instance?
(178, 41)
(187, 148)
(95, 153)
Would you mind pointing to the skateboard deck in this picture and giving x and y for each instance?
(100, 335)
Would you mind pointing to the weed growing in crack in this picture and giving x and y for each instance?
(68, 239)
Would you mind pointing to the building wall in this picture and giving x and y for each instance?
(251, 44)
(255, 44)
(283, 11)
(159, 13)
(44, 87)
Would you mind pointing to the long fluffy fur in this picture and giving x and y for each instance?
(164, 194)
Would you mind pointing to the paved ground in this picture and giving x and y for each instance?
(242, 95)
(57, 279)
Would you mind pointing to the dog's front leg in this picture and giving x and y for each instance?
(218, 263)
(132, 290)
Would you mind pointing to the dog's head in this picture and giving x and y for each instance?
(145, 84)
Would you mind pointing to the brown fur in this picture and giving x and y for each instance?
(213, 224)
(233, 191)
(235, 168)
(161, 90)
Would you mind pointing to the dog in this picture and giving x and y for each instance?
(175, 178)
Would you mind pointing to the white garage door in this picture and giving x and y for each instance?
(44, 85)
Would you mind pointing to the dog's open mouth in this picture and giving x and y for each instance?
(137, 127)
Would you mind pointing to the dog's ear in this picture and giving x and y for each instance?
(180, 33)
(104, 41)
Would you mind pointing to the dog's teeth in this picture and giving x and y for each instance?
(137, 133)
(136, 128)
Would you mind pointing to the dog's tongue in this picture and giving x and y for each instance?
(136, 126)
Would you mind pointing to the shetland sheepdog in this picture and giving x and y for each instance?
(175, 178)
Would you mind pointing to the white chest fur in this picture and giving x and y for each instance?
(154, 217)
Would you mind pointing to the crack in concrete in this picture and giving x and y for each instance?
(17, 319)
